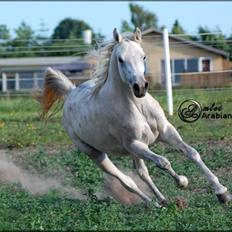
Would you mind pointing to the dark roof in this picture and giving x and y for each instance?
(67, 63)
(37, 61)
(186, 41)
(74, 66)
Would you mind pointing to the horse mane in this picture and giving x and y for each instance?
(103, 55)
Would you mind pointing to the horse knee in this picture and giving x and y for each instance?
(143, 173)
(194, 155)
(191, 153)
(163, 163)
(129, 183)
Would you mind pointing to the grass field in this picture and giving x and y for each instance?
(45, 148)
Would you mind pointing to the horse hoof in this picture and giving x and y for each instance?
(163, 203)
(182, 181)
(157, 205)
(224, 197)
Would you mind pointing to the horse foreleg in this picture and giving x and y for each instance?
(144, 174)
(172, 137)
(141, 150)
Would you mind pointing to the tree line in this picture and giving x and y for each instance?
(66, 38)
(146, 19)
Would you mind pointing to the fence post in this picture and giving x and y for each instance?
(168, 76)
(17, 81)
(35, 80)
(4, 83)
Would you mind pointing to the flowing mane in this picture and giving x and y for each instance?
(103, 55)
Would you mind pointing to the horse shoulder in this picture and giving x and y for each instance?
(155, 115)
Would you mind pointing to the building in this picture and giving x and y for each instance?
(24, 74)
(192, 64)
(186, 57)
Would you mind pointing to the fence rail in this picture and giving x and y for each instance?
(208, 80)
(217, 79)
(17, 83)
(156, 92)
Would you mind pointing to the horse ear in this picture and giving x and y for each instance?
(117, 36)
(138, 35)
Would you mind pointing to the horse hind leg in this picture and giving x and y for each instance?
(107, 166)
(144, 175)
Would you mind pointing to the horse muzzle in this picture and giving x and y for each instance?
(140, 90)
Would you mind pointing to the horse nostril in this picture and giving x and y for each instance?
(146, 85)
(136, 87)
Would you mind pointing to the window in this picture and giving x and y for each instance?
(205, 64)
(26, 80)
(179, 67)
(192, 65)
(10, 81)
(198, 64)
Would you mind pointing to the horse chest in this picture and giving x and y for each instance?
(148, 136)
(136, 128)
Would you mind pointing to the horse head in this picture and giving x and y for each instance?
(131, 61)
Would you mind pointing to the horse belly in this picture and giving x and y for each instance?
(86, 127)
(101, 140)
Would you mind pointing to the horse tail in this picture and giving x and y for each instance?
(57, 86)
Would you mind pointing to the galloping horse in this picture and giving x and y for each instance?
(113, 114)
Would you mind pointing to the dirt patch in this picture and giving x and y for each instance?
(115, 189)
(35, 184)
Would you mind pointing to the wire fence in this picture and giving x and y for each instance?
(48, 49)
(35, 42)
(184, 42)
(75, 47)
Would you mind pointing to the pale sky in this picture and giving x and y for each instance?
(104, 16)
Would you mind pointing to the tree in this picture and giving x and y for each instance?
(177, 28)
(215, 39)
(228, 40)
(24, 40)
(70, 28)
(125, 26)
(69, 35)
(141, 18)
(4, 32)
(42, 31)
(4, 37)
(24, 32)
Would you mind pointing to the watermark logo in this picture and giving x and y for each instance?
(190, 111)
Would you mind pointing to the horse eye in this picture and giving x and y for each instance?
(144, 58)
(120, 60)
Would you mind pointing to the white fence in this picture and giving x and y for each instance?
(17, 83)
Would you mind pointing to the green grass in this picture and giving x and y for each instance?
(21, 126)
(46, 149)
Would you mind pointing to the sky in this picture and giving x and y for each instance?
(104, 16)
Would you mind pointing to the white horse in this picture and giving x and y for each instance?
(113, 114)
